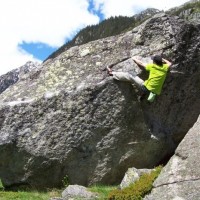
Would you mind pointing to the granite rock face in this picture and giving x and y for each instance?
(180, 179)
(70, 119)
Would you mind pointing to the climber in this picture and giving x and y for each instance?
(157, 74)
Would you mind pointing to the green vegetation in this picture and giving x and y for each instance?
(29, 195)
(103, 191)
(24, 196)
(65, 181)
(137, 190)
(1, 186)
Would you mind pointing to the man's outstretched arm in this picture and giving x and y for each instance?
(140, 64)
(167, 62)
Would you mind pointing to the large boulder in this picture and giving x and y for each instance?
(71, 119)
(180, 179)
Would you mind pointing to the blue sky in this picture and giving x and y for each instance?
(97, 12)
(32, 29)
(39, 50)
(42, 50)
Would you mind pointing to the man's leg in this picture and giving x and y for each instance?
(125, 76)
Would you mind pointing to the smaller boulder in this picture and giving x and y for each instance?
(77, 191)
(132, 175)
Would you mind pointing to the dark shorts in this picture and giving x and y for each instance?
(144, 90)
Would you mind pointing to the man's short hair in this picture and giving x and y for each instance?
(157, 59)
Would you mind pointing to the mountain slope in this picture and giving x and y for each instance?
(15, 75)
(189, 11)
(116, 25)
(109, 27)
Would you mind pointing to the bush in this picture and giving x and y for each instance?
(137, 190)
(1, 186)
(65, 181)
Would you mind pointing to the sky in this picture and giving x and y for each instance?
(32, 29)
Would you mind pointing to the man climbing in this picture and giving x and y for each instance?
(157, 74)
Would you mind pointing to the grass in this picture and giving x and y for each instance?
(103, 191)
(24, 196)
(135, 191)
(32, 195)
(27, 195)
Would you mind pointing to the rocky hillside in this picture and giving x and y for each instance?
(189, 11)
(15, 75)
(70, 119)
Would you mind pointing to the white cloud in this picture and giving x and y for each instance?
(45, 21)
(131, 7)
(53, 21)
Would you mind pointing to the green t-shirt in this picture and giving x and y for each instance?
(157, 75)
